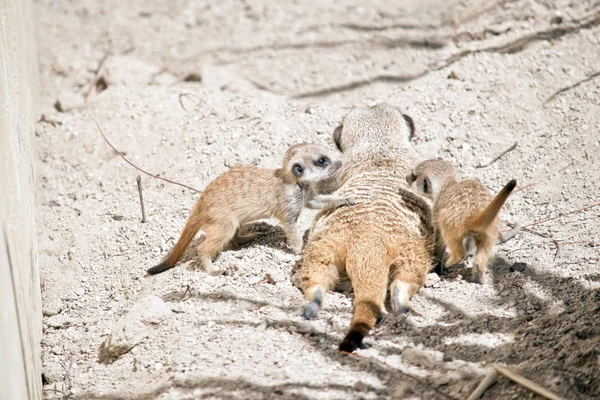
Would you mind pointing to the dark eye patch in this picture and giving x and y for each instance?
(297, 170)
(323, 162)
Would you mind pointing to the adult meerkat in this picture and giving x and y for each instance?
(245, 194)
(383, 237)
(464, 213)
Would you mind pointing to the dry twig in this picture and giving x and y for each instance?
(573, 86)
(489, 379)
(535, 183)
(138, 179)
(511, 148)
(138, 168)
(534, 387)
(562, 215)
(98, 83)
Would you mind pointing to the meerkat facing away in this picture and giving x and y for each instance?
(464, 213)
(245, 194)
(383, 237)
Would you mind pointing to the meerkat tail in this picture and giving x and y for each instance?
(366, 314)
(191, 229)
(488, 215)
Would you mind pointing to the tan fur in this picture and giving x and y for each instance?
(245, 194)
(382, 237)
(464, 213)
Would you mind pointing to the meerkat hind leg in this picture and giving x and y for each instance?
(217, 238)
(484, 251)
(208, 266)
(457, 252)
(319, 275)
(408, 275)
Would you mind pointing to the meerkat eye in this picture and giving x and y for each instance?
(323, 162)
(297, 170)
(426, 186)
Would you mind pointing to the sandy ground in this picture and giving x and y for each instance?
(477, 76)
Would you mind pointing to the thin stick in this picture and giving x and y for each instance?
(138, 179)
(544, 235)
(525, 187)
(484, 385)
(511, 148)
(573, 86)
(138, 168)
(562, 215)
(534, 387)
(535, 183)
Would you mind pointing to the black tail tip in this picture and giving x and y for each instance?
(511, 185)
(352, 341)
(157, 269)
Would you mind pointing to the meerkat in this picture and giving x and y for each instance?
(464, 213)
(245, 194)
(384, 237)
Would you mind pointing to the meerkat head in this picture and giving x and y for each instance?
(308, 163)
(428, 177)
(379, 126)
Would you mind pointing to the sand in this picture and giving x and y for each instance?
(188, 89)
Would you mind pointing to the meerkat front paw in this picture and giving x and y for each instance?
(350, 202)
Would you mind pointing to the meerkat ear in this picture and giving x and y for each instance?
(337, 137)
(411, 125)
(410, 178)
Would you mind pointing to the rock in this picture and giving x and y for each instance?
(432, 279)
(59, 321)
(360, 386)
(128, 70)
(556, 17)
(519, 267)
(53, 372)
(132, 328)
(422, 357)
(67, 100)
(401, 390)
(52, 307)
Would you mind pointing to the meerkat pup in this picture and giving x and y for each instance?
(384, 238)
(245, 194)
(465, 215)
